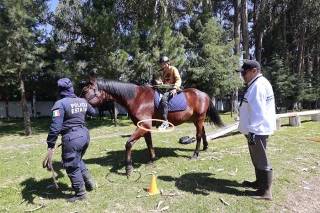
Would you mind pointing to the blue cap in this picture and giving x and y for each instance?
(248, 65)
(65, 87)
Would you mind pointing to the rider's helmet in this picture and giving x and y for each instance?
(163, 59)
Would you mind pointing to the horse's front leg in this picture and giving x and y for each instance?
(128, 160)
(148, 140)
(130, 142)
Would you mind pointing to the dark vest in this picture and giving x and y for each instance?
(74, 112)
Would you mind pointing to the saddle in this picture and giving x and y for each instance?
(176, 103)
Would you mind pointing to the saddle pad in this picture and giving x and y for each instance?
(176, 103)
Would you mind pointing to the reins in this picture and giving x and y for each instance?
(47, 163)
(95, 95)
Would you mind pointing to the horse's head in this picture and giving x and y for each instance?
(91, 93)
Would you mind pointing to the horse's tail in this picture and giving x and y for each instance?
(213, 115)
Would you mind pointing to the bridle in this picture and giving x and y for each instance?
(95, 95)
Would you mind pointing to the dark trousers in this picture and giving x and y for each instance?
(166, 96)
(74, 146)
(258, 153)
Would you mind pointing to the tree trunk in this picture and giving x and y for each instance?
(26, 116)
(155, 10)
(315, 65)
(244, 26)
(300, 51)
(237, 22)
(115, 111)
(7, 109)
(236, 36)
(284, 34)
(308, 64)
(258, 32)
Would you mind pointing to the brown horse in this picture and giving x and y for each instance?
(139, 103)
(106, 105)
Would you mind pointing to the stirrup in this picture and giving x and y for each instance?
(163, 126)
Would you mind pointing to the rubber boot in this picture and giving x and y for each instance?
(265, 183)
(90, 184)
(80, 194)
(252, 184)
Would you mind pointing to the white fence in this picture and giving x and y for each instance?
(41, 108)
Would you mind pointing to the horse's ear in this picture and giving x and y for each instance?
(91, 80)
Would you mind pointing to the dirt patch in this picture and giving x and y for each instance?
(305, 198)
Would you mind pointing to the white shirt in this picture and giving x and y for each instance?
(257, 111)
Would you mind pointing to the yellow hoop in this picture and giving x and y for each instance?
(151, 130)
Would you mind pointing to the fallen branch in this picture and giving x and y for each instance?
(224, 202)
(39, 207)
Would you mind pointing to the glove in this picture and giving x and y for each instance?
(51, 145)
(159, 81)
(51, 149)
(173, 92)
(251, 139)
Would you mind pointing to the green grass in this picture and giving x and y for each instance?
(188, 186)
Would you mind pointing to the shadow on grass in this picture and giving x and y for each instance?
(302, 121)
(202, 183)
(42, 125)
(115, 159)
(33, 188)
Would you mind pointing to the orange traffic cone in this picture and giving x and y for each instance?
(153, 189)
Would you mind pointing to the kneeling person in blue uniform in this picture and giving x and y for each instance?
(68, 118)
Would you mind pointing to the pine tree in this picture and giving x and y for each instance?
(212, 63)
(287, 88)
(20, 45)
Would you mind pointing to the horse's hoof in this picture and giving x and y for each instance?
(150, 163)
(129, 170)
(193, 158)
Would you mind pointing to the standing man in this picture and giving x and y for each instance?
(257, 122)
(68, 117)
(170, 75)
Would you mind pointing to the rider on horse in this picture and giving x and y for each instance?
(170, 75)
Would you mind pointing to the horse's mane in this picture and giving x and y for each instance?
(123, 89)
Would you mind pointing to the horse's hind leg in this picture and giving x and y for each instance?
(111, 114)
(198, 137)
(204, 140)
(100, 115)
